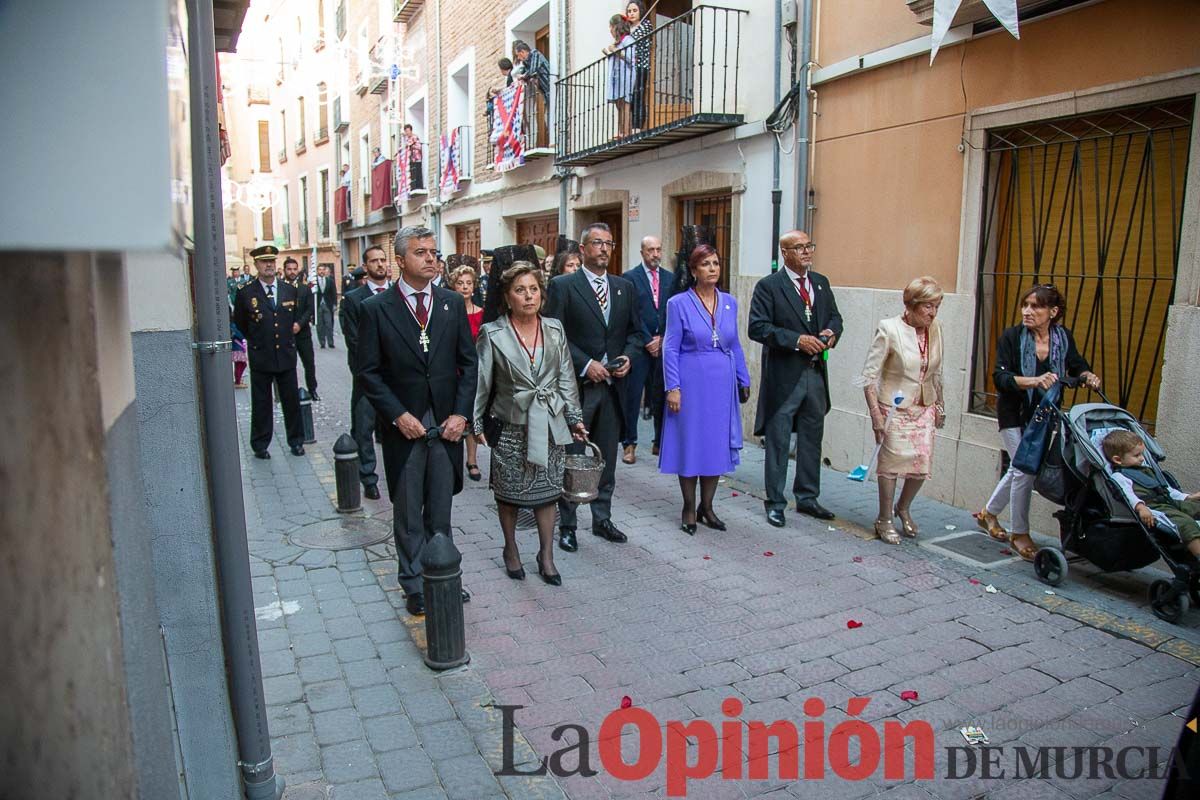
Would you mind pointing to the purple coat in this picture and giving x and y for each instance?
(705, 437)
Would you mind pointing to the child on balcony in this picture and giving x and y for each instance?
(621, 73)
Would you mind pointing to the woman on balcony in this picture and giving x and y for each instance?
(621, 75)
(642, 31)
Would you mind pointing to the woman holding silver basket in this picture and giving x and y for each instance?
(528, 404)
(905, 363)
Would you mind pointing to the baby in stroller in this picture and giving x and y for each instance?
(1149, 495)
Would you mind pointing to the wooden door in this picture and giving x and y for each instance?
(542, 231)
(612, 218)
(466, 239)
(542, 43)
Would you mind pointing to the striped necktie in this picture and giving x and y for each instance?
(601, 287)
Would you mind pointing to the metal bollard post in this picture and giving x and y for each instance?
(345, 468)
(306, 419)
(445, 628)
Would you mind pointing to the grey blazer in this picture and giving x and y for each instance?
(546, 402)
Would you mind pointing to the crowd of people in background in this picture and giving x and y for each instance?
(541, 356)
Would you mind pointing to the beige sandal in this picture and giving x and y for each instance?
(988, 522)
(1025, 551)
(886, 531)
(907, 526)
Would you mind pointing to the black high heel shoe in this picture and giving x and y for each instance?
(517, 574)
(687, 527)
(553, 580)
(710, 519)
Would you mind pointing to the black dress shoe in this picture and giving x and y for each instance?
(775, 517)
(415, 603)
(371, 492)
(814, 509)
(606, 530)
(263, 454)
(297, 449)
(687, 527)
(567, 540)
(710, 520)
(553, 580)
(466, 596)
(316, 398)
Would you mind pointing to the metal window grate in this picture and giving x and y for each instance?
(1092, 204)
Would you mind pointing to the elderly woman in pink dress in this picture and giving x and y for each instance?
(905, 358)
(705, 375)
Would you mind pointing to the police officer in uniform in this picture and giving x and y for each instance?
(265, 311)
(305, 306)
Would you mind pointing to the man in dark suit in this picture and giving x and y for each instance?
(326, 306)
(654, 287)
(302, 327)
(600, 317)
(265, 311)
(417, 364)
(794, 316)
(362, 414)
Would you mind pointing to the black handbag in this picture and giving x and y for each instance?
(1036, 437)
(1051, 480)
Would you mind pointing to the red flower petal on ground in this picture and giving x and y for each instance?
(626, 701)
(1006, 552)
(853, 623)
(735, 494)
(707, 558)
(908, 694)
(857, 559)
(973, 581)
(768, 554)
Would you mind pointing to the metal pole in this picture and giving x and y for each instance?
(239, 630)
(804, 123)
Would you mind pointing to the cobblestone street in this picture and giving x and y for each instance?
(679, 624)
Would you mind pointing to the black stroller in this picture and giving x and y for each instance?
(1096, 522)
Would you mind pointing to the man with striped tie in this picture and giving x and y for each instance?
(604, 333)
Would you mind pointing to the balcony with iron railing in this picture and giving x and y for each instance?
(377, 79)
(282, 156)
(340, 122)
(303, 225)
(323, 227)
(457, 159)
(301, 145)
(405, 10)
(340, 17)
(322, 136)
(535, 133)
(412, 177)
(692, 90)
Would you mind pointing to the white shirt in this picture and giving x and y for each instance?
(796, 277)
(1131, 497)
(410, 295)
(375, 287)
(595, 281)
(270, 289)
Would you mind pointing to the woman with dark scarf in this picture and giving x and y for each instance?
(1030, 358)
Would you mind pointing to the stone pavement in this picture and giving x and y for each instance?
(678, 624)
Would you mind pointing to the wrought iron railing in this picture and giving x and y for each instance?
(462, 156)
(303, 224)
(692, 81)
(341, 20)
(282, 155)
(322, 135)
(339, 122)
(1094, 206)
(301, 146)
(405, 10)
(323, 227)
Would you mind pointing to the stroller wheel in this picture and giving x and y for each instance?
(1050, 565)
(1168, 602)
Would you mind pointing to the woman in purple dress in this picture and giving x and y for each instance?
(706, 377)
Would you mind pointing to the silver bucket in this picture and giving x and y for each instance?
(581, 479)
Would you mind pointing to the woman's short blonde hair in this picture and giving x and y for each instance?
(922, 290)
(509, 277)
(458, 272)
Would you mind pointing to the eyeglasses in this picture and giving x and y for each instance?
(803, 248)
(606, 243)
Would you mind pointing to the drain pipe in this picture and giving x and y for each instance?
(804, 123)
(224, 472)
(435, 203)
(776, 191)
(564, 173)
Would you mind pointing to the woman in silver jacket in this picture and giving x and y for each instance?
(528, 397)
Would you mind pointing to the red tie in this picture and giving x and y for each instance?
(654, 285)
(378, 289)
(803, 292)
(422, 312)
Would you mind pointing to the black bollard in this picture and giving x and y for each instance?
(345, 470)
(445, 629)
(306, 419)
